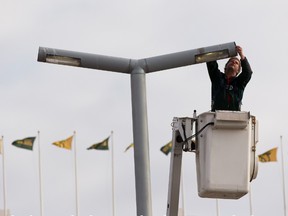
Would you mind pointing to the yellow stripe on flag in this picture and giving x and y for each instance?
(268, 156)
(66, 144)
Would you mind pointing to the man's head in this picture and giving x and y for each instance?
(232, 67)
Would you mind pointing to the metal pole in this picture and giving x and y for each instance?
(283, 176)
(141, 143)
(40, 175)
(250, 202)
(182, 192)
(112, 170)
(217, 207)
(4, 175)
(76, 174)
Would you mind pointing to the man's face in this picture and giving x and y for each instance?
(233, 65)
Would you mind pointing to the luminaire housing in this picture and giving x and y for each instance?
(125, 65)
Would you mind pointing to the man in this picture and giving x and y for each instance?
(228, 87)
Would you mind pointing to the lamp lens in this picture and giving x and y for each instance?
(63, 60)
(211, 56)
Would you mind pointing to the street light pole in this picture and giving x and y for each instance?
(138, 69)
(141, 141)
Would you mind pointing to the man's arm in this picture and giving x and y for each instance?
(246, 74)
(246, 69)
(213, 70)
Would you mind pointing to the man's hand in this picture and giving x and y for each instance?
(240, 52)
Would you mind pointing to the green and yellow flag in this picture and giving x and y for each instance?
(268, 156)
(66, 144)
(166, 149)
(26, 143)
(128, 147)
(101, 145)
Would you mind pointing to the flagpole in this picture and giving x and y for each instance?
(182, 192)
(4, 179)
(112, 164)
(250, 202)
(76, 180)
(283, 177)
(217, 207)
(40, 175)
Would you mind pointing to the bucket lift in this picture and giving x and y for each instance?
(225, 146)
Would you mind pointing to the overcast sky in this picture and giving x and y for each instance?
(58, 100)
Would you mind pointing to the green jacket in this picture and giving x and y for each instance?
(228, 94)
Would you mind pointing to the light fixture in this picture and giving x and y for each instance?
(211, 56)
(63, 60)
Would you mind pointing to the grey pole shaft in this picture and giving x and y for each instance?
(141, 143)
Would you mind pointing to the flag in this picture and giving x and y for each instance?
(128, 147)
(101, 145)
(166, 149)
(67, 143)
(26, 143)
(268, 156)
